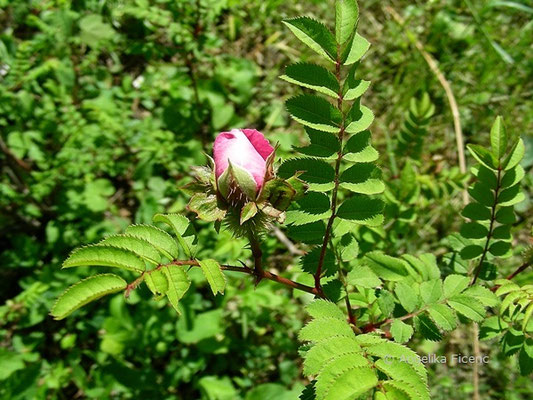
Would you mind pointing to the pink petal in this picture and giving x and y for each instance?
(236, 147)
(259, 141)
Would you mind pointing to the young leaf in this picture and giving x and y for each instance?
(515, 155)
(401, 332)
(361, 118)
(312, 76)
(355, 50)
(483, 156)
(214, 275)
(346, 16)
(105, 256)
(183, 230)
(324, 309)
(315, 112)
(498, 138)
(178, 284)
(158, 238)
(86, 291)
(315, 35)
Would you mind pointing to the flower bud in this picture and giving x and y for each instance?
(241, 163)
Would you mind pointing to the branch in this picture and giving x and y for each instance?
(263, 274)
(329, 226)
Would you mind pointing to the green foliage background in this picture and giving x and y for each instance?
(105, 106)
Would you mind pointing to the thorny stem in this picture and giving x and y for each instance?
(258, 257)
(329, 226)
(491, 226)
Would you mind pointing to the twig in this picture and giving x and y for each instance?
(433, 66)
(264, 275)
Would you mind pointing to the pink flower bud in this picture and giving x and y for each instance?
(244, 148)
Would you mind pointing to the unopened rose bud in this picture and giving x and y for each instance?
(241, 162)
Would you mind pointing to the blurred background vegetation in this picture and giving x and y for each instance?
(105, 105)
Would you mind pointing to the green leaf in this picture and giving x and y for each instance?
(386, 267)
(358, 148)
(314, 206)
(427, 328)
(361, 118)
(345, 384)
(406, 295)
(484, 295)
(401, 332)
(443, 316)
(474, 230)
(312, 76)
(505, 215)
(363, 276)
(183, 229)
(511, 196)
(356, 49)
(206, 207)
(248, 211)
(310, 262)
(138, 246)
(349, 248)
(346, 16)
(353, 87)
(468, 306)
(315, 35)
(405, 374)
(513, 176)
(476, 212)
(312, 233)
(471, 251)
(178, 284)
(492, 327)
(156, 281)
(498, 138)
(482, 194)
(364, 178)
(158, 238)
(431, 291)
(320, 308)
(106, 256)
(213, 274)
(362, 209)
(323, 144)
(86, 291)
(499, 248)
(316, 172)
(324, 328)
(515, 155)
(314, 112)
(487, 176)
(483, 156)
(455, 284)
